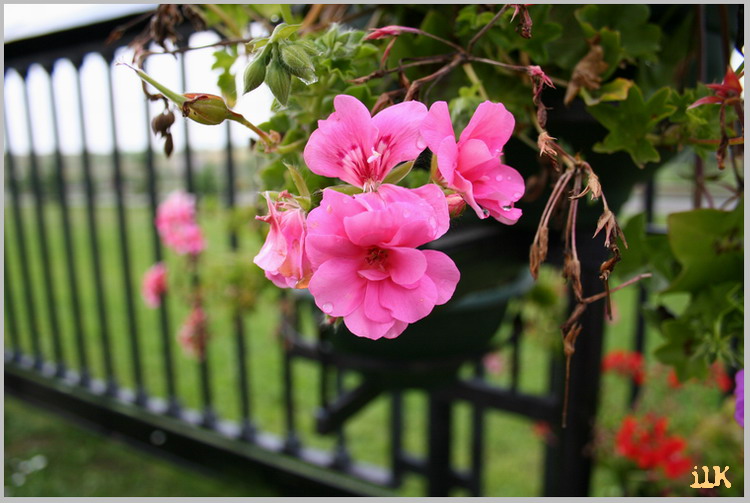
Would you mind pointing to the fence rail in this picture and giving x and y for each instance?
(58, 357)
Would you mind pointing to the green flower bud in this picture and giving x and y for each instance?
(297, 61)
(207, 109)
(279, 81)
(255, 73)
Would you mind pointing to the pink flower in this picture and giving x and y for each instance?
(367, 267)
(283, 254)
(154, 285)
(193, 334)
(389, 31)
(472, 166)
(175, 221)
(360, 149)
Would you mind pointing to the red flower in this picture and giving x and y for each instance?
(720, 376)
(650, 446)
(730, 87)
(627, 363)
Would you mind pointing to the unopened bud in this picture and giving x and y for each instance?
(297, 61)
(255, 74)
(207, 109)
(456, 205)
(279, 81)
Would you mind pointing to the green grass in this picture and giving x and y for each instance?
(49, 457)
(514, 464)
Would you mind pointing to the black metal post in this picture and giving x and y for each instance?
(83, 370)
(41, 222)
(440, 429)
(477, 439)
(247, 430)
(396, 427)
(20, 237)
(173, 405)
(122, 224)
(101, 299)
(10, 311)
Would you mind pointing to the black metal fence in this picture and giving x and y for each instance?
(58, 356)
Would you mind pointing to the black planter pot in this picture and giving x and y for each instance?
(494, 270)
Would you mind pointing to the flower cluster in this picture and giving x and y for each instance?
(717, 376)
(175, 221)
(626, 363)
(358, 254)
(647, 442)
(193, 334)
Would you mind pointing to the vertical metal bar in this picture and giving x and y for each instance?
(83, 372)
(247, 429)
(341, 458)
(173, 405)
(101, 299)
(122, 224)
(397, 427)
(477, 439)
(289, 310)
(20, 235)
(41, 222)
(569, 461)
(515, 364)
(439, 466)
(10, 309)
(639, 342)
(209, 416)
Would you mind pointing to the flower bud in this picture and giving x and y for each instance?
(255, 74)
(207, 109)
(456, 205)
(297, 61)
(279, 81)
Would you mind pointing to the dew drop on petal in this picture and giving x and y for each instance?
(327, 307)
(329, 209)
(432, 222)
(499, 178)
(516, 195)
(507, 207)
(421, 144)
(487, 212)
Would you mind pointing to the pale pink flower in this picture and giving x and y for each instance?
(154, 285)
(283, 254)
(366, 265)
(193, 333)
(389, 31)
(472, 165)
(494, 363)
(175, 221)
(360, 149)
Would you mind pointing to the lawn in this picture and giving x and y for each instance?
(514, 451)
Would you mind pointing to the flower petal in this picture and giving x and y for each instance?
(337, 288)
(343, 142)
(409, 304)
(492, 124)
(359, 324)
(373, 309)
(398, 137)
(370, 228)
(437, 126)
(444, 274)
(406, 265)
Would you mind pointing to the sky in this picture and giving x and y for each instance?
(22, 21)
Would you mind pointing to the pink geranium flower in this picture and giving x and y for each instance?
(367, 267)
(283, 254)
(175, 221)
(472, 165)
(193, 334)
(154, 285)
(360, 149)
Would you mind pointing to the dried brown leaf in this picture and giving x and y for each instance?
(587, 73)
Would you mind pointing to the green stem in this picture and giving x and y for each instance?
(177, 98)
(255, 129)
(475, 80)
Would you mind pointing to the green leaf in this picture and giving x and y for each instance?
(284, 31)
(223, 60)
(399, 172)
(298, 180)
(630, 121)
(617, 90)
(639, 38)
(708, 245)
